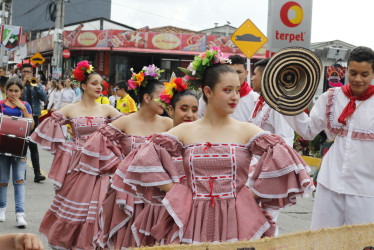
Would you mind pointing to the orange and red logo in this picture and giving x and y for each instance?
(298, 14)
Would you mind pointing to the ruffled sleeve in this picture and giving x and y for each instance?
(280, 174)
(102, 151)
(49, 134)
(149, 166)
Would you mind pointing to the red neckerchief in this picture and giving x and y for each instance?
(259, 105)
(245, 89)
(351, 106)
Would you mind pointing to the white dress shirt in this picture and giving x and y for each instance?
(270, 120)
(348, 166)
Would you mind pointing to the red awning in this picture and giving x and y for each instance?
(156, 51)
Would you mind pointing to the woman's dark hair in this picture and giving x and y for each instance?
(149, 88)
(212, 74)
(179, 95)
(86, 80)
(14, 81)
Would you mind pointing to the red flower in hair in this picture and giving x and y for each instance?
(180, 86)
(79, 75)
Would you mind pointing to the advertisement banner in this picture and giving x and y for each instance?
(193, 42)
(92, 38)
(127, 38)
(223, 42)
(165, 41)
(40, 45)
(148, 40)
(334, 77)
(289, 24)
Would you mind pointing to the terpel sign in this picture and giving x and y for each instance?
(289, 24)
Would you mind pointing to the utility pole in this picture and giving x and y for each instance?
(58, 36)
(3, 21)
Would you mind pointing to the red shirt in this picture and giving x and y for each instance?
(106, 86)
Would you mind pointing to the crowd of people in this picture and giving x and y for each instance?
(196, 159)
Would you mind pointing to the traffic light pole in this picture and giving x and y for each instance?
(58, 37)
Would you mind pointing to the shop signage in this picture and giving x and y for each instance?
(42, 44)
(289, 24)
(248, 38)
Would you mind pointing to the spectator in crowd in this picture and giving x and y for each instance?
(3, 80)
(13, 106)
(113, 98)
(125, 104)
(77, 88)
(33, 95)
(54, 94)
(106, 86)
(67, 95)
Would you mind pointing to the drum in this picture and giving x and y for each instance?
(14, 132)
(13, 146)
(16, 126)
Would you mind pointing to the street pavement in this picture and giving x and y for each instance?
(40, 195)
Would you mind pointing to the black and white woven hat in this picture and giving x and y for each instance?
(290, 80)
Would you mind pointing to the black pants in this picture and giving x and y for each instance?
(34, 150)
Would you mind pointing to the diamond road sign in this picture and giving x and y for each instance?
(37, 59)
(248, 38)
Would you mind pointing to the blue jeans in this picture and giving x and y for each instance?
(18, 166)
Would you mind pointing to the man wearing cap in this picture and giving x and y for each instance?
(345, 191)
(247, 96)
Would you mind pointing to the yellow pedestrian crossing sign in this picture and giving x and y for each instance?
(37, 59)
(248, 38)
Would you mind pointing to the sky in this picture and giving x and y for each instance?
(346, 20)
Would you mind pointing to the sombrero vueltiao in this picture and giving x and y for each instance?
(290, 80)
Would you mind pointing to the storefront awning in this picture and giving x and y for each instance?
(156, 51)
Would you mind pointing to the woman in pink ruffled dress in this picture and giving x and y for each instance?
(78, 188)
(110, 143)
(120, 210)
(215, 205)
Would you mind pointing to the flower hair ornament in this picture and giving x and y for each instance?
(83, 70)
(194, 72)
(141, 78)
(176, 85)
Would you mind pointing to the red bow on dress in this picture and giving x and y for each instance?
(351, 106)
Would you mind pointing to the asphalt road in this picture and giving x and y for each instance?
(40, 195)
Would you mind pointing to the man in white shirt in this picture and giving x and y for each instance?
(247, 96)
(345, 190)
(263, 115)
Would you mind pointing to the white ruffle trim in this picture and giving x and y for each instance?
(284, 171)
(146, 169)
